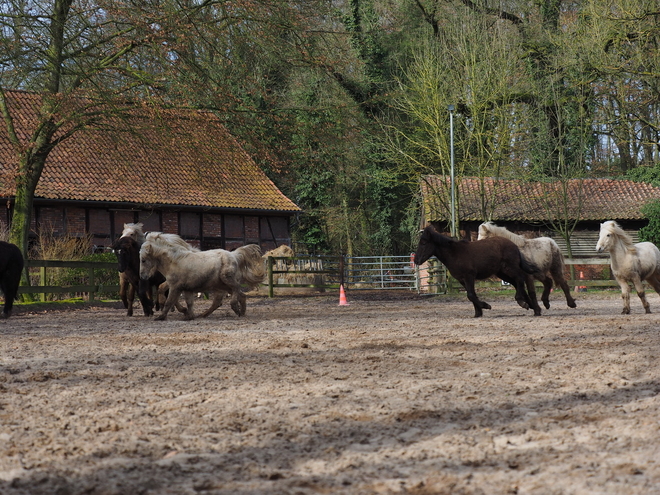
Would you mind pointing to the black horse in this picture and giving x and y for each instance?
(11, 266)
(470, 261)
(128, 256)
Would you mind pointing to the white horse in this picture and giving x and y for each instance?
(630, 262)
(544, 253)
(134, 231)
(189, 270)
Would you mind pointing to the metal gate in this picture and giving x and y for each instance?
(394, 272)
(357, 273)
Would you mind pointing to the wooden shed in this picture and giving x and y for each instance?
(529, 208)
(175, 170)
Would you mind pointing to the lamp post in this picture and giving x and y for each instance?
(452, 183)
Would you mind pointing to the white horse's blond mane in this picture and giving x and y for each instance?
(173, 244)
(615, 229)
(487, 227)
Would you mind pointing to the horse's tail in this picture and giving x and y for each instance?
(251, 267)
(528, 266)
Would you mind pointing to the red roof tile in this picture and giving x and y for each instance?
(516, 200)
(150, 157)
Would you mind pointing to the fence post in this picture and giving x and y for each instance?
(341, 271)
(42, 283)
(271, 290)
(91, 282)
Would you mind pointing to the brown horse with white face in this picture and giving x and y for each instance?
(478, 260)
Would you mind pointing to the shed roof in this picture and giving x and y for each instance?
(531, 202)
(149, 156)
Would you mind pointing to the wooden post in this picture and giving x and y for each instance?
(271, 289)
(42, 283)
(91, 282)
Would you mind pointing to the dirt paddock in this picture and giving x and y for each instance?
(394, 393)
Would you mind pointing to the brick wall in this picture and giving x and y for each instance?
(212, 225)
(170, 222)
(75, 222)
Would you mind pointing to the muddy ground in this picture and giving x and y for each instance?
(395, 393)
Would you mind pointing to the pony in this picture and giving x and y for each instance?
(544, 253)
(630, 262)
(11, 266)
(470, 261)
(189, 270)
(127, 251)
(134, 231)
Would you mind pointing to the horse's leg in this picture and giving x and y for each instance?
(519, 284)
(130, 298)
(570, 301)
(547, 288)
(525, 300)
(478, 304)
(217, 302)
(144, 293)
(171, 300)
(531, 289)
(189, 297)
(639, 287)
(237, 302)
(625, 294)
(123, 288)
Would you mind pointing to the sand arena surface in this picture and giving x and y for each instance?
(394, 393)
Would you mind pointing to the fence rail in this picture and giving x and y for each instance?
(315, 272)
(91, 288)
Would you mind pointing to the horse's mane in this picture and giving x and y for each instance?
(486, 227)
(173, 244)
(134, 231)
(615, 229)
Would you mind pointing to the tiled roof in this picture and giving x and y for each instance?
(516, 200)
(150, 157)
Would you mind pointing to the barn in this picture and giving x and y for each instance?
(175, 170)
(531, 208)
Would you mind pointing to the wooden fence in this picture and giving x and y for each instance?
(91, 288)
(319, 273)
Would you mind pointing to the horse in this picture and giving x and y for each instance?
(128, 257)
(544, 253)
(11, 267)
(189, 270)
(134, 231)
(630, 262)
(470, 261)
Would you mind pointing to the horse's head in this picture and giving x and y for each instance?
(484, 231)
(425, 246)
(607, 236)
(134, 231)
(148, 261)
(126, 250)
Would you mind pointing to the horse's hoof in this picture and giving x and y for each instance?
(486, 306)
(546, 304)
(625, 312)
(160, 317)
(537, 313)
(648, 310)
(572, 305)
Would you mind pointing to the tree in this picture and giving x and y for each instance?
(81, 58)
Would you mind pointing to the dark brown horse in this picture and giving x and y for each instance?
(128, 256)
(470, 261)
(11, 266)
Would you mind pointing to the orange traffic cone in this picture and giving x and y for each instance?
(581, 288)
(342, 296)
